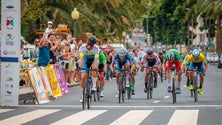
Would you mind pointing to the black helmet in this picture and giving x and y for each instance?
(92, 40)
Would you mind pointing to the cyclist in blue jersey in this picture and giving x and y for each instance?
(120, 59)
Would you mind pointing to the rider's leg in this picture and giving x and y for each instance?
(146, 79)
(94, 75)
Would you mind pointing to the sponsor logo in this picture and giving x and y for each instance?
(9, 93)
(10, 7)
(5, 52)
(9, 79)
(10, 37)
(9, 22)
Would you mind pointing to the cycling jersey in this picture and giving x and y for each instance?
(117, 59)
(102, 58)
(177, 60)
(119, 63)
(89, 56)
(176, 55)
(93, 53)
(151, 60)
(201, 58)
(102, 61)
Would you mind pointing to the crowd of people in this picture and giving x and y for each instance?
(75, 57)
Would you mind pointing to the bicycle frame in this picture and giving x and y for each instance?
(87, 94)
(122, 85)
(194, 92)
(149, 89)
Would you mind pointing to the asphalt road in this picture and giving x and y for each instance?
(157, 111)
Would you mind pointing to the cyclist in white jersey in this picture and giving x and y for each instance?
(89, 56)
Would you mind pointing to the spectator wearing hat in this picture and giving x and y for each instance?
(49, 29)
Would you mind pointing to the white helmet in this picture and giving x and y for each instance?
(122, 52)
(170, 56)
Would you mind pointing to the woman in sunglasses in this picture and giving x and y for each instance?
(89, 55)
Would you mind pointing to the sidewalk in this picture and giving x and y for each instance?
(26, 91)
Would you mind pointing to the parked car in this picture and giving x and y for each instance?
(219, 65)
(116, 46)
(212, 57)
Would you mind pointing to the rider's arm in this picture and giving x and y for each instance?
(81, 56)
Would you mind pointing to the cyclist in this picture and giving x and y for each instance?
(197, 59)
(185, 66)
(151, 59)
(121, 58)
(172, 56)
(102, 71)
(135, 66)
(89, 56)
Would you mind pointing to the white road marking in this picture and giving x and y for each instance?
(184, 117)
(133, 117)
(26, 117)
(156, 101)
(166, 97)
(123, 106)
(79, 118)
(5, 110)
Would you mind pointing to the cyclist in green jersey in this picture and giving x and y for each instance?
(102, 71)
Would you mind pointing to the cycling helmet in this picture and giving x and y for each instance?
(170, 56)
(195, 53)
(149, 51)
(122, 52)
(160, 53)
(92, 40)
(132, 54)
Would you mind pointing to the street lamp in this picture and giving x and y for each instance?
(75, 16)
(147, 28)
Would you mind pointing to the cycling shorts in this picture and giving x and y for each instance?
(87, 62)
(198, 65)
(151, 64)
(177, 64)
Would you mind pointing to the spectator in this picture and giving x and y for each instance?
(49, 29)
(36, 51)
(44, 54)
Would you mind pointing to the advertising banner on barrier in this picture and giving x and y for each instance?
(41, 93)
(9, 84)
(46, 80)
(10, 52)
(61, 78)
(56, 91)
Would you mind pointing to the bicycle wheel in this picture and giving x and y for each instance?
(161, 74)
(123, 89)
(120, 89)
(98, 90)
(128, 90)
(195, 89)
(174, 91)
(84, 97)
(150, 86)
(89, 94)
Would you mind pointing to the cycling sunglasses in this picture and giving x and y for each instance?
(89, 44)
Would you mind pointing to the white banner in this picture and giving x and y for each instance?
(10, 52)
